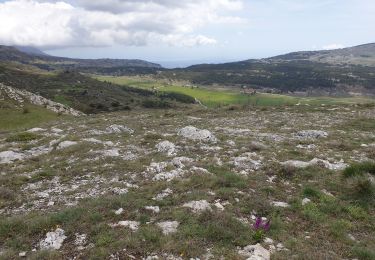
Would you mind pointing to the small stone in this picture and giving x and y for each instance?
(132, 225)
(154, 209)
(305, 201)
(280, 204)
(119, 211)
(268, 240)
(219, 206)
(22, 254)
(65, 144)
(119, 129)
(351, 237)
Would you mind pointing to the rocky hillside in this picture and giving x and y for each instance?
(359, 55)
(80, 92)
(259, 183)
(338, 72)
(20, 98)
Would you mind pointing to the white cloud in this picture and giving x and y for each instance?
(54, 24)
(333, 46)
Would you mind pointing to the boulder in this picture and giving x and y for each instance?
(10, 156)
(255, 252)
(193, 133)
(53, 240)
(65, 144)
(311, 134)
(337, 166)
(119, 129)
(168, 227)
(166, 147)
(198, 206)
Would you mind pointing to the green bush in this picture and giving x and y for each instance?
(23, 137)
(363, 253)
(178, 97)
(358, 169)
(154, 103)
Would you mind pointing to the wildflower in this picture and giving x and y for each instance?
(260, 227)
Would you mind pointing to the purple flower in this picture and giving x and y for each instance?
(260, 225)
(267, 226)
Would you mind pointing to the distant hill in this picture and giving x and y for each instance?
(31, 50)
(358, 55)
(336, 72)
(35, 57)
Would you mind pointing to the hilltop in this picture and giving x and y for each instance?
(358, 55)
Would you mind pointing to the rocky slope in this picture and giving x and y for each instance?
(22, 97)
(189, 184)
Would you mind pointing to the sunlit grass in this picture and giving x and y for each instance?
(11, 119)
(216, 98)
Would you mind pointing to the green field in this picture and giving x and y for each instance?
(216, 98)
(12, 119)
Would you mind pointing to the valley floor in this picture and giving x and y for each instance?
(153, 184)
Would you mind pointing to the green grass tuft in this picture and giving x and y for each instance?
(359, 169)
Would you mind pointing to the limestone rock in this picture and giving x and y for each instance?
(311, 134)
(255, 252)
(193, 133)
(198, 206)
(168, 227)
(65, 144)
(280, 204)
(119, 129)
(10, 156)
(166, 147)
(53, 240)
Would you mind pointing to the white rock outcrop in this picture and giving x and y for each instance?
(193, 133)
(255, 252)
(311, 134)
(132, 225)
(10, 156)
(118, 129)
(165, 193)
(198, 206)
(306, 201)
(53, 240)
(65, 144)
(23, 96)
(154, 209)
(280, 204)
(166, 147)
(336, 166)
(168, 227)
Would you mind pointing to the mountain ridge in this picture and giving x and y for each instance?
(34, 57)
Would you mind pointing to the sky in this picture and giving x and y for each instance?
(184, 32)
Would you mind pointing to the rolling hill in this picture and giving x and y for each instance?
(359, 55)
(34, 57)
(81, 92)
(337, 72)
